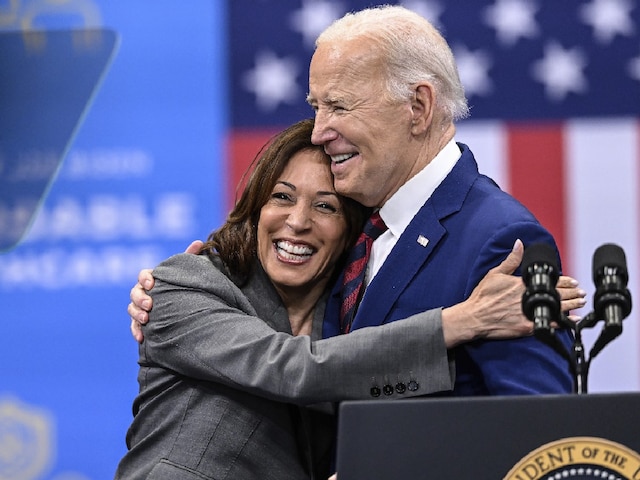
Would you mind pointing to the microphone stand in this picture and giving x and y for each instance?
(580, 365)
(578, 362)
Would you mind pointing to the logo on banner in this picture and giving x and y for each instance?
(578, 458)
(25, 441)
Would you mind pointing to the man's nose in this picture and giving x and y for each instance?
(322, 132)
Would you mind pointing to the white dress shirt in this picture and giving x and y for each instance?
(400, 209)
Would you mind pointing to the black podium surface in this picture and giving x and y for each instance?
(492, 438)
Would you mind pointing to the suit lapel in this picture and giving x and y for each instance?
(416, 244)
(411, 252)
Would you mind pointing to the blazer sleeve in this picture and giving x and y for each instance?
(202, 326)
(517, 366)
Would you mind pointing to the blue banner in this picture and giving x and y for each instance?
(129, 165)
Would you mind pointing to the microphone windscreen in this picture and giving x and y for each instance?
(538, 253)
(612, 256)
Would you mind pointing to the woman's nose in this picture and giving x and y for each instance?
(299, 217)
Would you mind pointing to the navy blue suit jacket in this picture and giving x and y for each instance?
(471, 226)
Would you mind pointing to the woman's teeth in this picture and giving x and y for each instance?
(291, 251)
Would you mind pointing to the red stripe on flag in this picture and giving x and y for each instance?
(242, 149)
(536, 169)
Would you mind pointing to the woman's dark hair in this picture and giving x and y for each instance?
(236, 241)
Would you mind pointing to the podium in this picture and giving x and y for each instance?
(491, 438)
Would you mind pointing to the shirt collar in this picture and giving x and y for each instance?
(399, 210)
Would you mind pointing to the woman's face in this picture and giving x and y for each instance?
(302, 227)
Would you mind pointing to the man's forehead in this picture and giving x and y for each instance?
(339, 69)
(354, 52)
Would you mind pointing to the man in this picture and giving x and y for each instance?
(386, 93)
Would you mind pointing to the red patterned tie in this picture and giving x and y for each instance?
(353, 282)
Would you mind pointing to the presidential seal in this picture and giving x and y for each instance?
(578, 458)
(25, 441)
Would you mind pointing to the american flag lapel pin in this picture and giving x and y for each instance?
(422, 240)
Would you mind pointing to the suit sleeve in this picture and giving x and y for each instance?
(203, 327)
(519, 366)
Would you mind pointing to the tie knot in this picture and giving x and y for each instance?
(375, 226)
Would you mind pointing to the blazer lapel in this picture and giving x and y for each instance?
(262, 295)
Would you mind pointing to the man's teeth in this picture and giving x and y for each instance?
(288, 250)
(341, 158)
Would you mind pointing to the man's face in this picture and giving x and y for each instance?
(367, 135)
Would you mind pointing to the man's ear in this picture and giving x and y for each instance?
(422, 108)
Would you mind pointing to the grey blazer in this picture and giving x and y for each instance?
(220, 372)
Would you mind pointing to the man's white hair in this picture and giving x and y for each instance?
(413, 50)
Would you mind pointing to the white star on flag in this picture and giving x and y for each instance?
(512, 19)
(560, 71)
(634, 68)
(428, 9)
(314, 17)
(473, 68)
(273, 81)
(608, 18)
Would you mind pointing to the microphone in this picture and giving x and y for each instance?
(541, 300)
(612, 300)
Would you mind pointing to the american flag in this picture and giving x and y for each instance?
(554, 90)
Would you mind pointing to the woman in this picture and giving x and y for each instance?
(273, 259)
(231, 336)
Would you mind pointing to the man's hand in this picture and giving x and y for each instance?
(141, 303)
(494, 309)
